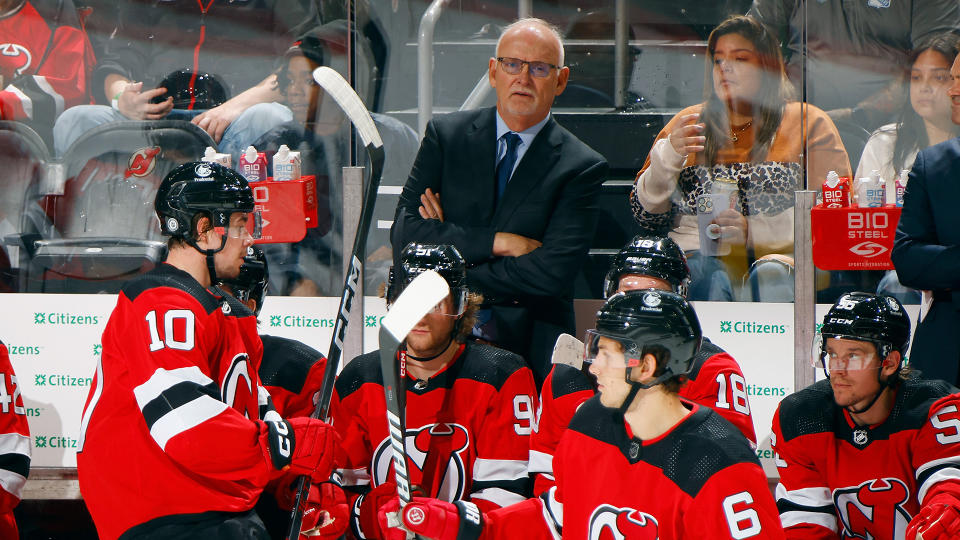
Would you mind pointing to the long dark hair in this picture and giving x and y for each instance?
(775, 90)
(911, 131)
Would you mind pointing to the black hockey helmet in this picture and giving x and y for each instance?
(655, 256)
(193, 90)
(648, 321)
(197, 187)
(861, 316)
(444, 259)
(253, 278)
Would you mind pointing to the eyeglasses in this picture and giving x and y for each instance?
(513, 66)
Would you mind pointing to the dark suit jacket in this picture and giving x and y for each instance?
(551, 197)
(926, 254)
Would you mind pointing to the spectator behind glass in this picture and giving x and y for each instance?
(926, 250)
(321, 132)
(924, 121)
(45, 64)
(856, 51)
(162, 60)
(741, 147)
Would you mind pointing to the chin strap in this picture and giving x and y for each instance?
(884, 384)
(209, 253)
(434, 357)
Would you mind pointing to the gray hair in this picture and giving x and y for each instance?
(539, 22)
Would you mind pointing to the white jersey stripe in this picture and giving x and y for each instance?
(796, 517)
(817, 496)
(186, 416)
(163, 379)
(947, 473)
(541, 462)
(48, 89)
(498, 496)
(14, 443)
(25, 100)
(492, 470)
(552, 511)
(12, 482)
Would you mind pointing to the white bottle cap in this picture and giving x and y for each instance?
(833, 179)
(250, 154)
(209, 153)
(282, 153)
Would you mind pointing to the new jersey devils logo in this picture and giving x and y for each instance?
(142, 162)
(874, 509)
(611, 523)
(16, 55)
(238, 389)
(434, 456)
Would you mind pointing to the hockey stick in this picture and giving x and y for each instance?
(336, 87)
(417, 299)
(568, 351)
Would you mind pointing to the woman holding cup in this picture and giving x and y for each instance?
(720, 176)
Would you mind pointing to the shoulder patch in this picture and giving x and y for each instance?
(165, 275)
(808, 411)
(286, 363)
(359, 371)
(488, 365)
(702, 445)
(707, 350)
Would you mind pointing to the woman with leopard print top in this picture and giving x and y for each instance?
(747, 139)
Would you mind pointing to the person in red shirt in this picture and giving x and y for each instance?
(177, 436)
(872, 451)
(637, 460)
(14, 445)
(714, 380)
(469, 407)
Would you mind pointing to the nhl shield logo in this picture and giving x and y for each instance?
(860, 437)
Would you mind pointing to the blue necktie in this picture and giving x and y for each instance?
(505, 167)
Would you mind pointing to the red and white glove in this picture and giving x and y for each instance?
(326, 511)
(935, 522)
(302, 446)
(435, 519)
(365, 510)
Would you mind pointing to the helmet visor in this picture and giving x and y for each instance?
(608, 350)
(457, 303)
(837, 357)
(252, 227)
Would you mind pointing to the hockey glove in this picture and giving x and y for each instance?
(365, 510)
(327, 515)
(302, 446)
(935, 522)
(435, 519)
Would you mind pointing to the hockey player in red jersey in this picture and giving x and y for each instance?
(637, 461)
(292, 372)
(871, 452)
(714, 380)
(469, 407)
(14, 445)
(45, 61)
(172, 441)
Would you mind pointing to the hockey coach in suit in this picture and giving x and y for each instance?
(514, 192)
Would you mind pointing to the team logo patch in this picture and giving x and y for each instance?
(142, 162)
(20, 55)
(894, 306)
(436, 452)
(225, 308)
(415, 515)
(873, 509)
(203, 170)
(651, 299)
(611, 523)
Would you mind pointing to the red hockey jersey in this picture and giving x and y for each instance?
(170, 425)
(839, 480)
(699, 480)
(14, 445)
(45, 60)
(467, 427)
(293, 373)
(715, 381)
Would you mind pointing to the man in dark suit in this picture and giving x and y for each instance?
(926, 251)
(514, 192)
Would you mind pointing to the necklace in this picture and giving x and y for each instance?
(739, 129)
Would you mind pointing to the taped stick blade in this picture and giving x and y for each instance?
(336, 86)
(568, 350)
(416, 300)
